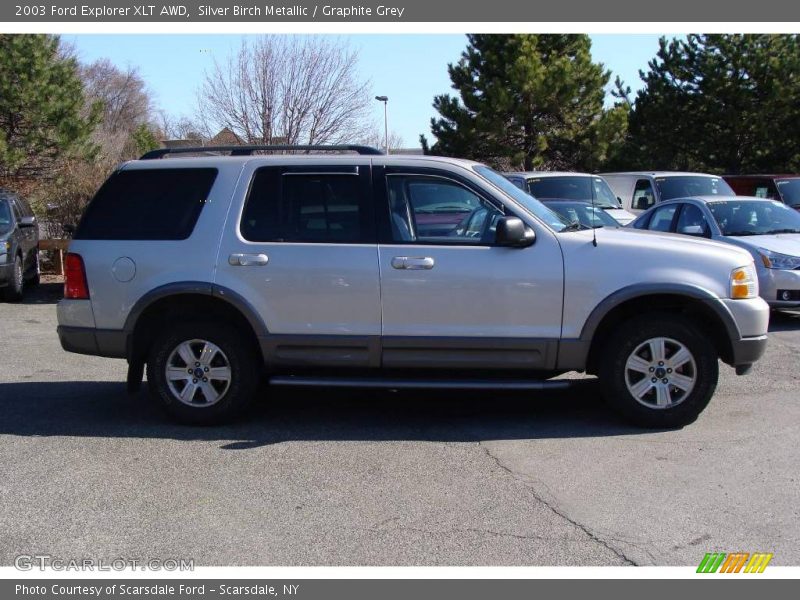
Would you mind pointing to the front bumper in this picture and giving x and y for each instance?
(771, 281)
(746, 351)
(751, 318)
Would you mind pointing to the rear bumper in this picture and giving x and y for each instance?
(109, 343)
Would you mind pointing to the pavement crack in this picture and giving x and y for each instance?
(555, 510)
(377, 528)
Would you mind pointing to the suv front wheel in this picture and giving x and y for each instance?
(202, 373)
(659, 371)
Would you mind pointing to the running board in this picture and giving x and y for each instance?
(452, 384)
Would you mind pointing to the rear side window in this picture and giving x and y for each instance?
(306, 207)
(147, 204)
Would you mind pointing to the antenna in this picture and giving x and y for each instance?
(594, 229)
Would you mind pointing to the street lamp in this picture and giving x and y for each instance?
(385, 100)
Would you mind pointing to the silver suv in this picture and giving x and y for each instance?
(390, 271)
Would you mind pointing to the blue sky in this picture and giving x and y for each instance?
(409, 69)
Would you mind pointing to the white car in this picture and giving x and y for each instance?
(562, 185)
(768, 229)
(638, 191)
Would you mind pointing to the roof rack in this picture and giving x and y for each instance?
(249, 150)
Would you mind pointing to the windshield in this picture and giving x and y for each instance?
(753, 217)
(573, 187)
(685, 186)
(528, 202)
(5, 216)
(790, 191)
(583, 213)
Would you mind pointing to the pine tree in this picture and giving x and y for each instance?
(42, 112)
(528, 101)
(720, 103)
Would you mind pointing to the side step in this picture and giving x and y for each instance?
(451, 384)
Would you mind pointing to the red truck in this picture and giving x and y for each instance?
(785, 188)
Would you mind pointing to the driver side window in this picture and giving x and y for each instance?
(434, 210)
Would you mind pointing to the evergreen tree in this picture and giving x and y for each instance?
(528, 101)
(42, 116)
(720, 103)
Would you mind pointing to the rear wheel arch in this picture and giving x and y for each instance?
(188, 302)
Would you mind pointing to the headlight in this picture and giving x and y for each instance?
(775, 260)
(744, 283)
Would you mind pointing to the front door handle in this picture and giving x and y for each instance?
(248, 260)
(413, 263)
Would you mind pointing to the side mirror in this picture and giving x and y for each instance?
(696, 230)
(27, 222)
(512, 232)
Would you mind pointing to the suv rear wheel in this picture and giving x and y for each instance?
(202, 373)
(659, 371)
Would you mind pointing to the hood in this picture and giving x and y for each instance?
(784, 243)
(627, 257)
(649, 240)
(621, 215)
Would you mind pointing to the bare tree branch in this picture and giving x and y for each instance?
(303, 90)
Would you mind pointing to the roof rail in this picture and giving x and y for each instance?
(249, 150)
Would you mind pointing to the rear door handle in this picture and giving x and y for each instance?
(413, 263)
(248, 260)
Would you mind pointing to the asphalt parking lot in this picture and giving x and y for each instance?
(366, 478)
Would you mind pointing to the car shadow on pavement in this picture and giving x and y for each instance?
(104, 409)
(784, 320)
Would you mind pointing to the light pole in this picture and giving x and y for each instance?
(385, 100)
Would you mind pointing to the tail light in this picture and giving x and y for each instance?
(75, 286)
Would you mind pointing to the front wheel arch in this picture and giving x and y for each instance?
(698, 311)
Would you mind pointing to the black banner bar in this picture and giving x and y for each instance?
(402, 11)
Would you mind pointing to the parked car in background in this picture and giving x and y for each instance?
(785, 188)
(556, 185)
(768, 229)
(640, 190)
(582, 212)
(19, 246)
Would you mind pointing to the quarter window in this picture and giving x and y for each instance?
(147, 204)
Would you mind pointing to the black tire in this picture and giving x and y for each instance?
(16, 285)
(633, 337)
(241, 357)
(35, 276)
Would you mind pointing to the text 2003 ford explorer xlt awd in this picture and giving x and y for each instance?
(390, 271)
